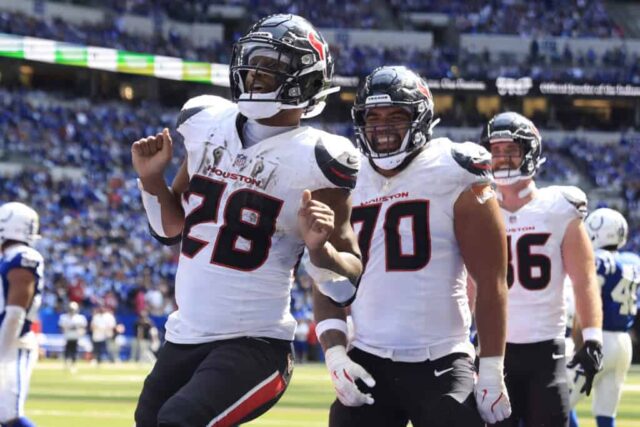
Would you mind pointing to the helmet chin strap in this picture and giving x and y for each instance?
(257, 106)
(391, 162)
(512, 180)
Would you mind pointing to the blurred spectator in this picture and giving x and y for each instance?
(102, 327)
(300, 343)
(145, 334)
(73, 325)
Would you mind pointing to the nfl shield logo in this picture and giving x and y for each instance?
(513, 219)
(240, 161)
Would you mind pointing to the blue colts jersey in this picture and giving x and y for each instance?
(619, 276)
(21, 256)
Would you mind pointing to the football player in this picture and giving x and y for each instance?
(423, 209)
(255, 190)
(21, 282)
(546, 241)
(619, 277)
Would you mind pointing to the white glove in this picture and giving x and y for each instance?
(344, 373)
(491, 392)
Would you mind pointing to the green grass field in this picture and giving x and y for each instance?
(106, 397)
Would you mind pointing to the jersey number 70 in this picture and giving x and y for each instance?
(418, 212)
(247, 215)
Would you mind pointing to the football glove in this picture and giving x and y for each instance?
(589, 357)
(344, 373)
(491, 392)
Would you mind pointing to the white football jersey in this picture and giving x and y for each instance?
(411, 303)
(536, 274)
(240, 241)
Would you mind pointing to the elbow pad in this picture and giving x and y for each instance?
(153, 209)
(338, 288)
(342, 292)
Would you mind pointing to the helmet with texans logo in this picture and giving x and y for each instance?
(514, 127)
(394, 86)
(296, 55)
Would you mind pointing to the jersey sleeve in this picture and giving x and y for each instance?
(575, 198)
(475, 162)
(198, 116)
(338, 161)
(605, 264)
(29, 260)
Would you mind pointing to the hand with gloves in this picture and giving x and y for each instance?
(344, 373)
(589, 357)
(491, 392)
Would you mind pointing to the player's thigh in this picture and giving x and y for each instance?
(173, 369)
(576, 381)
(376, 415)
(238, 381)
(446, 389)
(516, 368)
(548, 390)
(608, 383)
(15, 375)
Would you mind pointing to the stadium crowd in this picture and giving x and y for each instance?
(575, 18)
(614, 66)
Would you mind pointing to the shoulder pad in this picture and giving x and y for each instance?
(473, 158)
(29, 260)
(167, 241)
(338, 160)
(199, 103)
(575, 196)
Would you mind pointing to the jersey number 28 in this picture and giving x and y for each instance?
(248, 216)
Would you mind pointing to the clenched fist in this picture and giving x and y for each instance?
(151, 155)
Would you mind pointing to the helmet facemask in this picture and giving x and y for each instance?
(388, 143)
(268, 76)
(513, 166)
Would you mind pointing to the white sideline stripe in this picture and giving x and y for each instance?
(79, 414)
(246, 396)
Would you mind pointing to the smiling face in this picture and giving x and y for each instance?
(506, 155)
(386, 127)
(261, 80)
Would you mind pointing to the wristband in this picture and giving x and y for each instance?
(491, 367)
(333, 323)
(592, 334)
